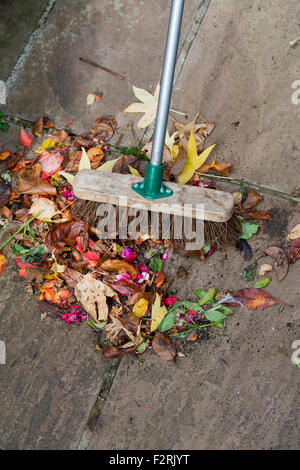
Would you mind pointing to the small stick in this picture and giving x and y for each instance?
(102, 68)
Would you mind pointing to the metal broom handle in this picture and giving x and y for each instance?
(167, 82)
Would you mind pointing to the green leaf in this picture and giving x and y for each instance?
(206, 248)
(297, 362)
(263, 283)
(220, 325)
(225, 310)
(34, 256)
(156, 264)
(96, 325)
(248, 229)
(187, 305)
(215, 315)
(207, 297)
(250, 272)
(167, 323)
(199, 293)
(18, 249)
(142, 347)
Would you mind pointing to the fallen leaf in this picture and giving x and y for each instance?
(193, 160)
(125, 287)
(193, 337)
(51, 162)
(84, 163)
(3, 263)
(108, 166)
(64, 234)
(256, 299)
(25, 138)
(34, 273)
(44, 207)
(158, 313)
(252, 200)
(141, 307)
(245, 249)
(148, 106)
(92, 295)
(200, 131)
(265, 268)
(293, 250)
(7, 213)
(117, 265)
(4, 194)
(37, 128)
(29, 182)
(164, 347)
(70, 178)
(295, 233)
(4, 155)
(282, 261)
(111, 353)
(96, 156)
(254, 215)
(133, 171)
(92, 98)
(179, 164)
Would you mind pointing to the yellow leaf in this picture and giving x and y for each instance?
(193, 160)
(91, 98)
(295, 233)
(158, 313)
(84, 163)
(47, 144)
(108, 166)
(148, 106)
(69, 177)
(45, 208)
(141, 307)
(134, 172)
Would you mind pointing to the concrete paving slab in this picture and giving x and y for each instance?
(239, 74)
(17, 21)
(52, 374)
(238, 389)
(127, 37)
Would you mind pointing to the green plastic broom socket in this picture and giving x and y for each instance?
(152, 187)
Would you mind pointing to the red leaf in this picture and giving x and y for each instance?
(25, 139)
(256, 299)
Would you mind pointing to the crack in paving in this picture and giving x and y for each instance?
(28, 47)
(96, 411)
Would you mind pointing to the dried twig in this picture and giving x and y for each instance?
(102, 68)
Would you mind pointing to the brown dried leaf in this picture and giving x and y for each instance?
(92, 294)
(111, 353)
(179, 163)
(293, 251)
(29, 182)
(256, 299)
(71, 277)
(117, 265)
(282, 261)
(255, 215)
(164, 347)
(4, 194)
(200, 131)
(64, 234)
(126, 287)
(37, 128)
(7, 213)
(252, 200)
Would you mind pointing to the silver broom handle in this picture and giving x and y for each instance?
(167, 82)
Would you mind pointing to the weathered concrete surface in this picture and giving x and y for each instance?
(236, 390)
(52, 375)
(127, 37)
(240, 70)
(17, 21)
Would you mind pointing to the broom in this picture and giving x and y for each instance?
(172, 207)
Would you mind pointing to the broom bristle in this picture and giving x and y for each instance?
(219, 234)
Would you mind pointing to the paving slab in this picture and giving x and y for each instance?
(127, 37)
(52, 374)
(17, 21)
(235, 389)
(239, 74)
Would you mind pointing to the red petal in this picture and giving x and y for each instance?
(25, 138)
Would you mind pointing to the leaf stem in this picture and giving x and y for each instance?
(25, 225)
